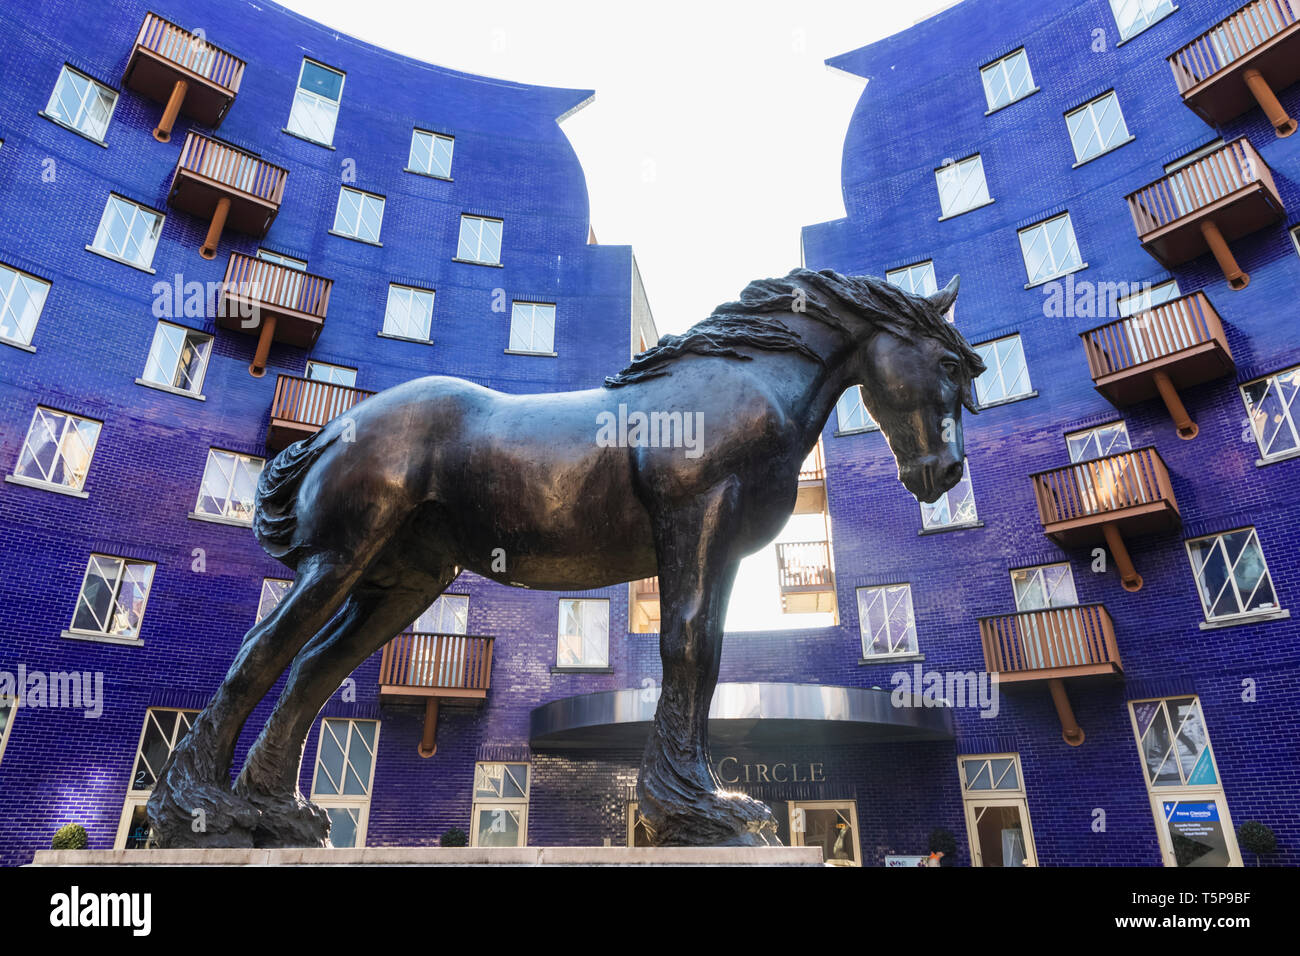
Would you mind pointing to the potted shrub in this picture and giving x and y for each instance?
(944, 842)
(454, 837)
(70, 836)
(1257, 838)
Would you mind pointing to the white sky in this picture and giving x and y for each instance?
(715, 135)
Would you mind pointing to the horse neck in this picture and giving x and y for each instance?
(820, 387)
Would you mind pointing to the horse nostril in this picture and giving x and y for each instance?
(952, 474)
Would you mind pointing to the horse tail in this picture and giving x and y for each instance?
(275, 518)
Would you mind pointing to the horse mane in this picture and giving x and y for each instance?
(751, 321)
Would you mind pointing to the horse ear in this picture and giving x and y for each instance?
(944, 298)
(968, 398)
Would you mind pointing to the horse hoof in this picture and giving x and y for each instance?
(189, 815)
(287, 820)
(713, 818)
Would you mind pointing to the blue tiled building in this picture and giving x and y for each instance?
(398, 219)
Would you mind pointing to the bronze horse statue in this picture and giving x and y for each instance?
(383, 507)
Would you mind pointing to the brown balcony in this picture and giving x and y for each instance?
(191, 76)
(1177, 344)
(433, 668)
(1052, 645)
(644, 606)
(1107, 499)
(228, 187)
(1206, 204)
(302, 406)
(1243, 62)
(811, 497)
(805, 576)
(273, 302)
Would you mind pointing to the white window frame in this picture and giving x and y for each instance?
(13, 283)
(412, 165)
(930, 509)
(138, 796)
(995, 370)
(1092, 436)
(973, 799)
(798, 809)
(478, 246)
(1289, 415)
(65, 433)
(400, 319)
(280, 259)
(1082, 121)
(501, 804)
(313, 368)
(346, 801)
(315, 103)
(1033, 571)
(951, 175)
(1064, 267)
(1295, 238)
(522, 312)
(586, 662)
(188, 334)
(147, 246)
(122, 636)
(225, 515)
(77, 123)
(1147, 14)
(272, 593)
(352, 229)
(1264, 612)
(1148, 298)
(858, 406)
(998, 70)
(908, 642)
(10, 705)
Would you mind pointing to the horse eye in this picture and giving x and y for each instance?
(951, 366)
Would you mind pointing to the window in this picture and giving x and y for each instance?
(229, 486)
(345, 772)
(1272, 408)
(1199, 153)
(1231, 575)
(280, 259)
(851, 413)
(917, 279)
(961, 186)
(163, 729)
(409, 314)
(8, 706)
(532, 327)
(57, 450)
(273, 592)
(1044, 586)
(1096, 127)
(81, 103)
(334, 374)
(1295, 239)
(358, 215)
(1049, 249)
(1049, 640)
(584, 634)
(430, 153)
(956, 506)
(1097, 442)
(829, 824)
(22, 297)
(1134, 16)
(113, 596)
(500, 810)
(178, 358)
(1187, 799)
(449, 614)
(885, 620)
(1007, 80)
(480, 240)
(997, 814)
(1148, 298)
(1005, 374)
(128, 232)
(316, 103)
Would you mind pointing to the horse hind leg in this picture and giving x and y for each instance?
(192, 804)
(269, 779)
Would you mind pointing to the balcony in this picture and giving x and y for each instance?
(811, 497)
(1177, 344)
(433, 668)
(1206, 204)
(643, 615)
(806, 580)
(273, 302)
(1107, 499)
(1051, 646)
(302, 406)
(1243, 62)
(228, 187)
(191, 76)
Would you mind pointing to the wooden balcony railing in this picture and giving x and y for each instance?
(804, 565)
(1095, 500)
(814, 466)
(1052, 645)
(227, 186)
(274, 302)
(435, 667)
(1175, 345)
(171, 65)
(302, 406)
(646, 587)
(643, 609)
(1220, 197)
(1242, 61)
(810, 499)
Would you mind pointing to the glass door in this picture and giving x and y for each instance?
(1195, 831)
(1000, 834)
(829, 824)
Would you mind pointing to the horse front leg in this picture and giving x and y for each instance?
(680, 796)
